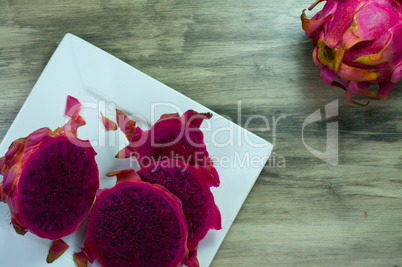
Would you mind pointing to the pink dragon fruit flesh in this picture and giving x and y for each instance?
(359, 42)
(192, 186)
(172, 136)
(50, 179)
(137, 224)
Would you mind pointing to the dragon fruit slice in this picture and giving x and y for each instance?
(171, 136)
(192, 186)
(50, 179)
(57, 249)
(360, 42)
(136, 224)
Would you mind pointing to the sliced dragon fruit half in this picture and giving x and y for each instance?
(50, 179)
(172, 136)
(192, 186)
(136, 223)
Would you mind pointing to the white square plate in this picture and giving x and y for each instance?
(102, 82)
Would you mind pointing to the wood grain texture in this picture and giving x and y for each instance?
(302, 211)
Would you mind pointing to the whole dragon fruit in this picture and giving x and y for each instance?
(359, 41)
(50, 179)
(135, 223)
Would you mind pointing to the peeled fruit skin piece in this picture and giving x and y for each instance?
(359, 42)
(109, 125)
(73, 108)
(49, 180)
(172, 136)
(137, 224)
(192, 186)
(80, 259)
(57, 249)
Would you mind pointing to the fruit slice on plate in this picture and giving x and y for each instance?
(172, 136)
(136, 223)
(50, 179)
(192, 186)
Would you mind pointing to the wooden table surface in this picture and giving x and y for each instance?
(302, 210)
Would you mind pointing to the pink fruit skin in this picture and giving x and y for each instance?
(126, 180)
(57, 249)
(359, 42)
(109, 125)
(80, 259)
(172, 136)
